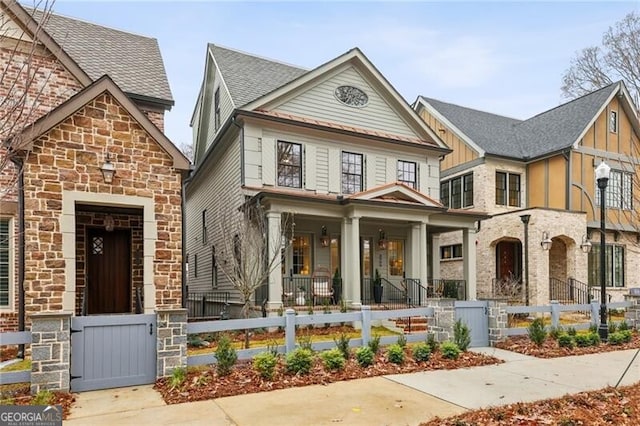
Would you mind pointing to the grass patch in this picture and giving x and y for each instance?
(25, 364)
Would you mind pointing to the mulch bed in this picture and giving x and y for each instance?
(206, 384)
(550, 348)
(601, 407)
(19, 394)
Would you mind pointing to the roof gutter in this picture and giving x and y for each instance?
(166, 104)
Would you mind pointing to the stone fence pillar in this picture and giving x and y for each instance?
(172, 340)
(497, 321)
(632, 315)
(50, 351)
(444, 317)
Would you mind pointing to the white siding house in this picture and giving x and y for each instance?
(343, 152)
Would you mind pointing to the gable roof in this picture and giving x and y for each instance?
(89, 51)
(249, 77)
(397, 193)
(551, 131)
(80, 99)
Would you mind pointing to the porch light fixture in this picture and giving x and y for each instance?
(382, 240)
(108, 169)
(109, 223)
(324, 238)
(602, 177)
(586, 244)
(546, 241)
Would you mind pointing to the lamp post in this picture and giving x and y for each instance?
(602, 177)
(525, 219)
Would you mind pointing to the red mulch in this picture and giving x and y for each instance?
(206, 384)
(550, 348)
(19, 394)
(601, 407)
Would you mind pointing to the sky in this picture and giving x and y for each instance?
(502, 57)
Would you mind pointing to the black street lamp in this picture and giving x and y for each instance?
(525, 219)
(602, 177)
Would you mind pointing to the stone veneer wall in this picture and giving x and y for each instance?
(50, 351)
(172, 341)
(86, 220)
(443, 319)
(68, 158)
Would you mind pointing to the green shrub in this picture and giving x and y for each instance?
(265, 363)
(226, 356)
(431, 341)
(395, 354)
(450, 350)
(342, 343)
(555, 332)
(536, 331)
(421, 352)
(593, 328)
(623, 326)
(299, 361)
(402, 341)
(616, 338)
(333, 359)
(595, 338)
(566, 341)
(613, 327)
(365, 356)
(571, 331)
(583, 340)
(374, 343)
(461, 335)
(626, 334)
(177, 378)
(43, 397)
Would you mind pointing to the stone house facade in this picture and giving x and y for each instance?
(76, 239)
(541, 171)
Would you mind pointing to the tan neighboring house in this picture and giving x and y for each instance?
(338, 147)
(542, 171)
(93, 226)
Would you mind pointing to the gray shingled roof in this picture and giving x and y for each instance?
(550, 131)
(132, 61)
(249, 77)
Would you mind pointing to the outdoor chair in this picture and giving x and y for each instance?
(321, 287)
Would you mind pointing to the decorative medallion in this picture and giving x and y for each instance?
(351, 96)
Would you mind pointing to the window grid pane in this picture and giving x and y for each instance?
(501, 189)
(302, 254)
(351, 173)
(467, 198)
(407, 173)
(396, 257)
(456, 193)
(289, 164)
(514, 190)
(444, 193)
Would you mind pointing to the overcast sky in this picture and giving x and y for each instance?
(502, 57)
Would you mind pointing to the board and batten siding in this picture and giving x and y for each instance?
(322, 161)
(320, 103)
(217, 186)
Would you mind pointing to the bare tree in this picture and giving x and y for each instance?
(245, 256)
(618, 58)
(187, 150)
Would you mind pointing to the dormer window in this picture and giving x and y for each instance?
(613, 121)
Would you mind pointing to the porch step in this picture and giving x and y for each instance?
(413, 324)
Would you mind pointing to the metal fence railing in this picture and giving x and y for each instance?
(207, 305)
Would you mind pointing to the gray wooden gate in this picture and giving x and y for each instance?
(109, 351)
(476, 316)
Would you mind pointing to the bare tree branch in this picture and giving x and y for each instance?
(618, 58)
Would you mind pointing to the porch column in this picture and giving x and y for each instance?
(422, 263)
(345, 258)
(435, 256)
(274, 222)
(354, 281)
(469, 261)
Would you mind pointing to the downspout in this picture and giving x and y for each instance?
(19, 163)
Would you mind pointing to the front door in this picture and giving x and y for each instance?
(108, 271)
(366, 258)
(508, 255)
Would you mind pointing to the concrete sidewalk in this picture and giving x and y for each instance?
(406, 399)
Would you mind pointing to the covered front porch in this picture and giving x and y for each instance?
(378, 247)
